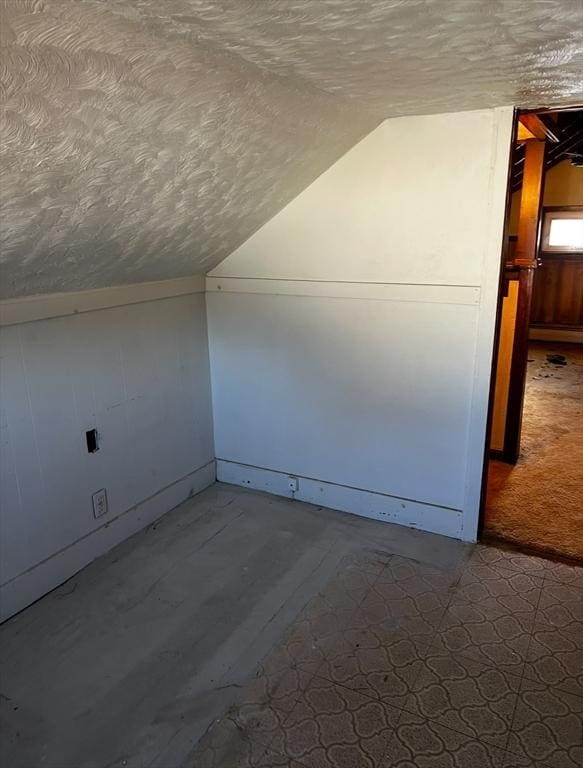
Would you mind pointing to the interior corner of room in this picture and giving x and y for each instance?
(329, 374)
(343, 370)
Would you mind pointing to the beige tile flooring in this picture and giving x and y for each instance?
(397, 663)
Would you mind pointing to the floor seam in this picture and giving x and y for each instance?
(524, 667)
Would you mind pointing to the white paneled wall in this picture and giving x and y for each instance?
(139, 374)
(351, 336)
(375, 391)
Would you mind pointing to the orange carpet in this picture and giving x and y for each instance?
(539, 502)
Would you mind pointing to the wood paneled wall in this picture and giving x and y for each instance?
(558, 292)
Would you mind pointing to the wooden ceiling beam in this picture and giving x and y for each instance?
(540, 126)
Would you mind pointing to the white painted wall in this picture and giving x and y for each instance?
(408, 204)
(351, 336)
(139, 373)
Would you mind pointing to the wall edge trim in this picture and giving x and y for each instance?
(29, 309)
(375, 505)
(468, 295)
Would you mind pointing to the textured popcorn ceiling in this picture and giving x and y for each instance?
(146, 139)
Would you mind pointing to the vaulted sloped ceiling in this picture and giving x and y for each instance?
(146, 139)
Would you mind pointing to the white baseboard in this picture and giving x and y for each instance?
(377, 506)
(556, 334)
(24, 589)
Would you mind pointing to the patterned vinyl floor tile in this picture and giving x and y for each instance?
(421, 743)
(485, 633)
(508, 560)
(379, 652)
(268, 699)
(562, 604)
(566, 574)
(328, 634)
(548, 726)
(300, 649)
(381, 658)
(271, 759)
(225, 745)
(408, 587)
(500, 591)
(384, 620)
(317, 627)
(466, 696)
(384, 671)
(277, 683)
(520, 761)
(333, 726)
(228, 746)
(395, 663)
(555, 656)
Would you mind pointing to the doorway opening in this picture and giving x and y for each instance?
(533, 492)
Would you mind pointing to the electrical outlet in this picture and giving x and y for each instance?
(99, 499)
(292, 483)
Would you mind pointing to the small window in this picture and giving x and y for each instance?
(563, 231)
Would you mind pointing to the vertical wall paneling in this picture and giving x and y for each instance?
(139, 374)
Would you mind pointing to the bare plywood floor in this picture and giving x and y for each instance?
(539, 502)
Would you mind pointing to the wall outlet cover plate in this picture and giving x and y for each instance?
(99, 499)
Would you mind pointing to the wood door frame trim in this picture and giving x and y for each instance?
(497, 328)
(517, 383)
(529, 238)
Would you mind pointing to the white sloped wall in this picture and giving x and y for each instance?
(351, 336)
